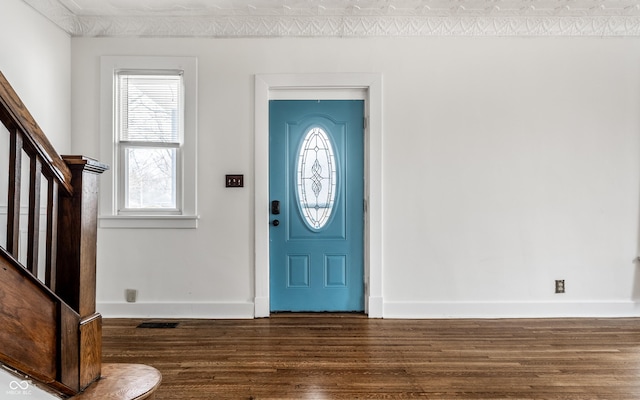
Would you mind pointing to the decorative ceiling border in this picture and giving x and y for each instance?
(357, 26)
(592, 22)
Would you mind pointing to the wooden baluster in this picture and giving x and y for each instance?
(13, 203)
(35, 179)
(52, 233)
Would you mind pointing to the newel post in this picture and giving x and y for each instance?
(76, 261)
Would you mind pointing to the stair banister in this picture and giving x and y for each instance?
(49, 328)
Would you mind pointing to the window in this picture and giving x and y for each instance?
(316, 178)
(149, 122)
(148, 137)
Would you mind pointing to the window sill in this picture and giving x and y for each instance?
(149, 221)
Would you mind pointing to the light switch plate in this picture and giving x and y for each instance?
(234, 181)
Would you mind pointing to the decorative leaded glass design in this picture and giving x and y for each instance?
(316, 178)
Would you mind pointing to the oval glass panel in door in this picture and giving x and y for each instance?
(316, 178)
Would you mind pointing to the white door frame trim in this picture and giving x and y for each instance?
(268, 86)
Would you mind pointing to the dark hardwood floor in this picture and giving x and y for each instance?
(329, 356)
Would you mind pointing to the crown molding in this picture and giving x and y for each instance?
(365, 26)
(582, 19)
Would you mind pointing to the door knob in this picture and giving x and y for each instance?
(276, 222)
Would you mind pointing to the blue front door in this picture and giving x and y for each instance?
(316, 187)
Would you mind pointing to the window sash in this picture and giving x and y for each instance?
(149, 182)
(149, 106)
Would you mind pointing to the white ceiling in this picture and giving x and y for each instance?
(342, 18)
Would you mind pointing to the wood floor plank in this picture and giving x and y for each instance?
(346, 356)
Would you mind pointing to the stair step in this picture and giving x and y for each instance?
(123, 382)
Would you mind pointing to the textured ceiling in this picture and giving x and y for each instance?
(342, 18)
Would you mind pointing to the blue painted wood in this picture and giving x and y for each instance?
(317, 269)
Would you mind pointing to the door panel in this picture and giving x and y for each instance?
(316, 172)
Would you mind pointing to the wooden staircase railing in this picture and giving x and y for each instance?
(49, 328)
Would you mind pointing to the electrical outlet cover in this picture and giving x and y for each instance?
(130, 295)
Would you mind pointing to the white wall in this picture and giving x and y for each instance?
(507, 163)
(35, 56)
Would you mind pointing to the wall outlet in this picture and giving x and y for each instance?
(130, 295)
(560, 286)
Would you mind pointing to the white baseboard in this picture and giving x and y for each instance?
(423, 310)
(378, 309)
(176, 310)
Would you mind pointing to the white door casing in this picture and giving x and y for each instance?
(367, 86)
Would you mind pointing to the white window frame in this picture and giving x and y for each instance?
(111, 196)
